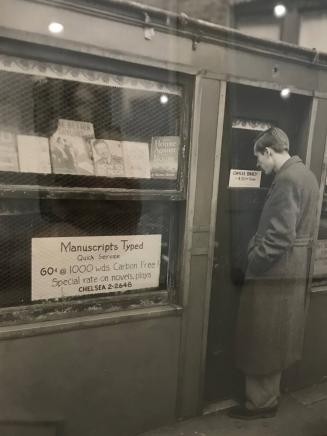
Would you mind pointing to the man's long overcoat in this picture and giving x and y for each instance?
(271, 314)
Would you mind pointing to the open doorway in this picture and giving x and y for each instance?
(249, 111)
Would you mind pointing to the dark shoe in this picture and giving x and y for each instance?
(241, 412)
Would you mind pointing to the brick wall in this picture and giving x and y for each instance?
(216, 11)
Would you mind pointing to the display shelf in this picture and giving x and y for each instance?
(319, 288)
(68, 308)
(61, 186)
(35, 192)
(41, 192)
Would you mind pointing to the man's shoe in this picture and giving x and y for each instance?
(241, 412)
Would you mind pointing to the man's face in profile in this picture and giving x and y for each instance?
(265, 161)
(102, 150)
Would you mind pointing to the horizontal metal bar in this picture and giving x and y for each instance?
(274, 86)
(36, 191)
(319, 289)
(139, 62)
(135, 14)
(68, 324)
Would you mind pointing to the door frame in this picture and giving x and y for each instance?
(214, 201)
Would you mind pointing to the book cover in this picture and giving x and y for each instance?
(164, 157)
(108, 158)
(33, 154)
(136, 159)
(75, 128)
(8, 151)
(71, 155)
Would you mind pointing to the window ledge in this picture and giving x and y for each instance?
(63, 325)
(319, 289)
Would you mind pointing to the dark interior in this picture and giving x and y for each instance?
(237, 218)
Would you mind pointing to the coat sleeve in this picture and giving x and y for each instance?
(282, 216)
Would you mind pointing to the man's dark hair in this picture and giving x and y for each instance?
(275, 138)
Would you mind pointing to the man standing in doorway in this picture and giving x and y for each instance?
(272, 307)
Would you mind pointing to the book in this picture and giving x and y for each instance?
(136, 159)
(75, 128)
(71, 155)
(8, 151)
(164, 157)
(108, 158)
(33, 154)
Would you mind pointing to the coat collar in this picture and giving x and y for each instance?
(290, 162)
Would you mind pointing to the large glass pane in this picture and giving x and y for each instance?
(87, 129)
(54, 250)
(80, 132)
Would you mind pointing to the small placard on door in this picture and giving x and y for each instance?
(244, 179)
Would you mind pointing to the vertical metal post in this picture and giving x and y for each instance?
(313, 116)
(188, 231)
(212, 231)
(189, 216)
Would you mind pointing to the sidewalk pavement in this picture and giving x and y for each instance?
(303, 413)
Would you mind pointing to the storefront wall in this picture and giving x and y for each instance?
(115, 379)
(120, 375)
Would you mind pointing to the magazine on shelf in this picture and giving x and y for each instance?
(8, 151)
(136, 159)
(164, 157)
(71, 155)
(75, 128)
(108, 158)
(33, 154)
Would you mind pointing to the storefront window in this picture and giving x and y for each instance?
(90, 164)
(80, 123)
